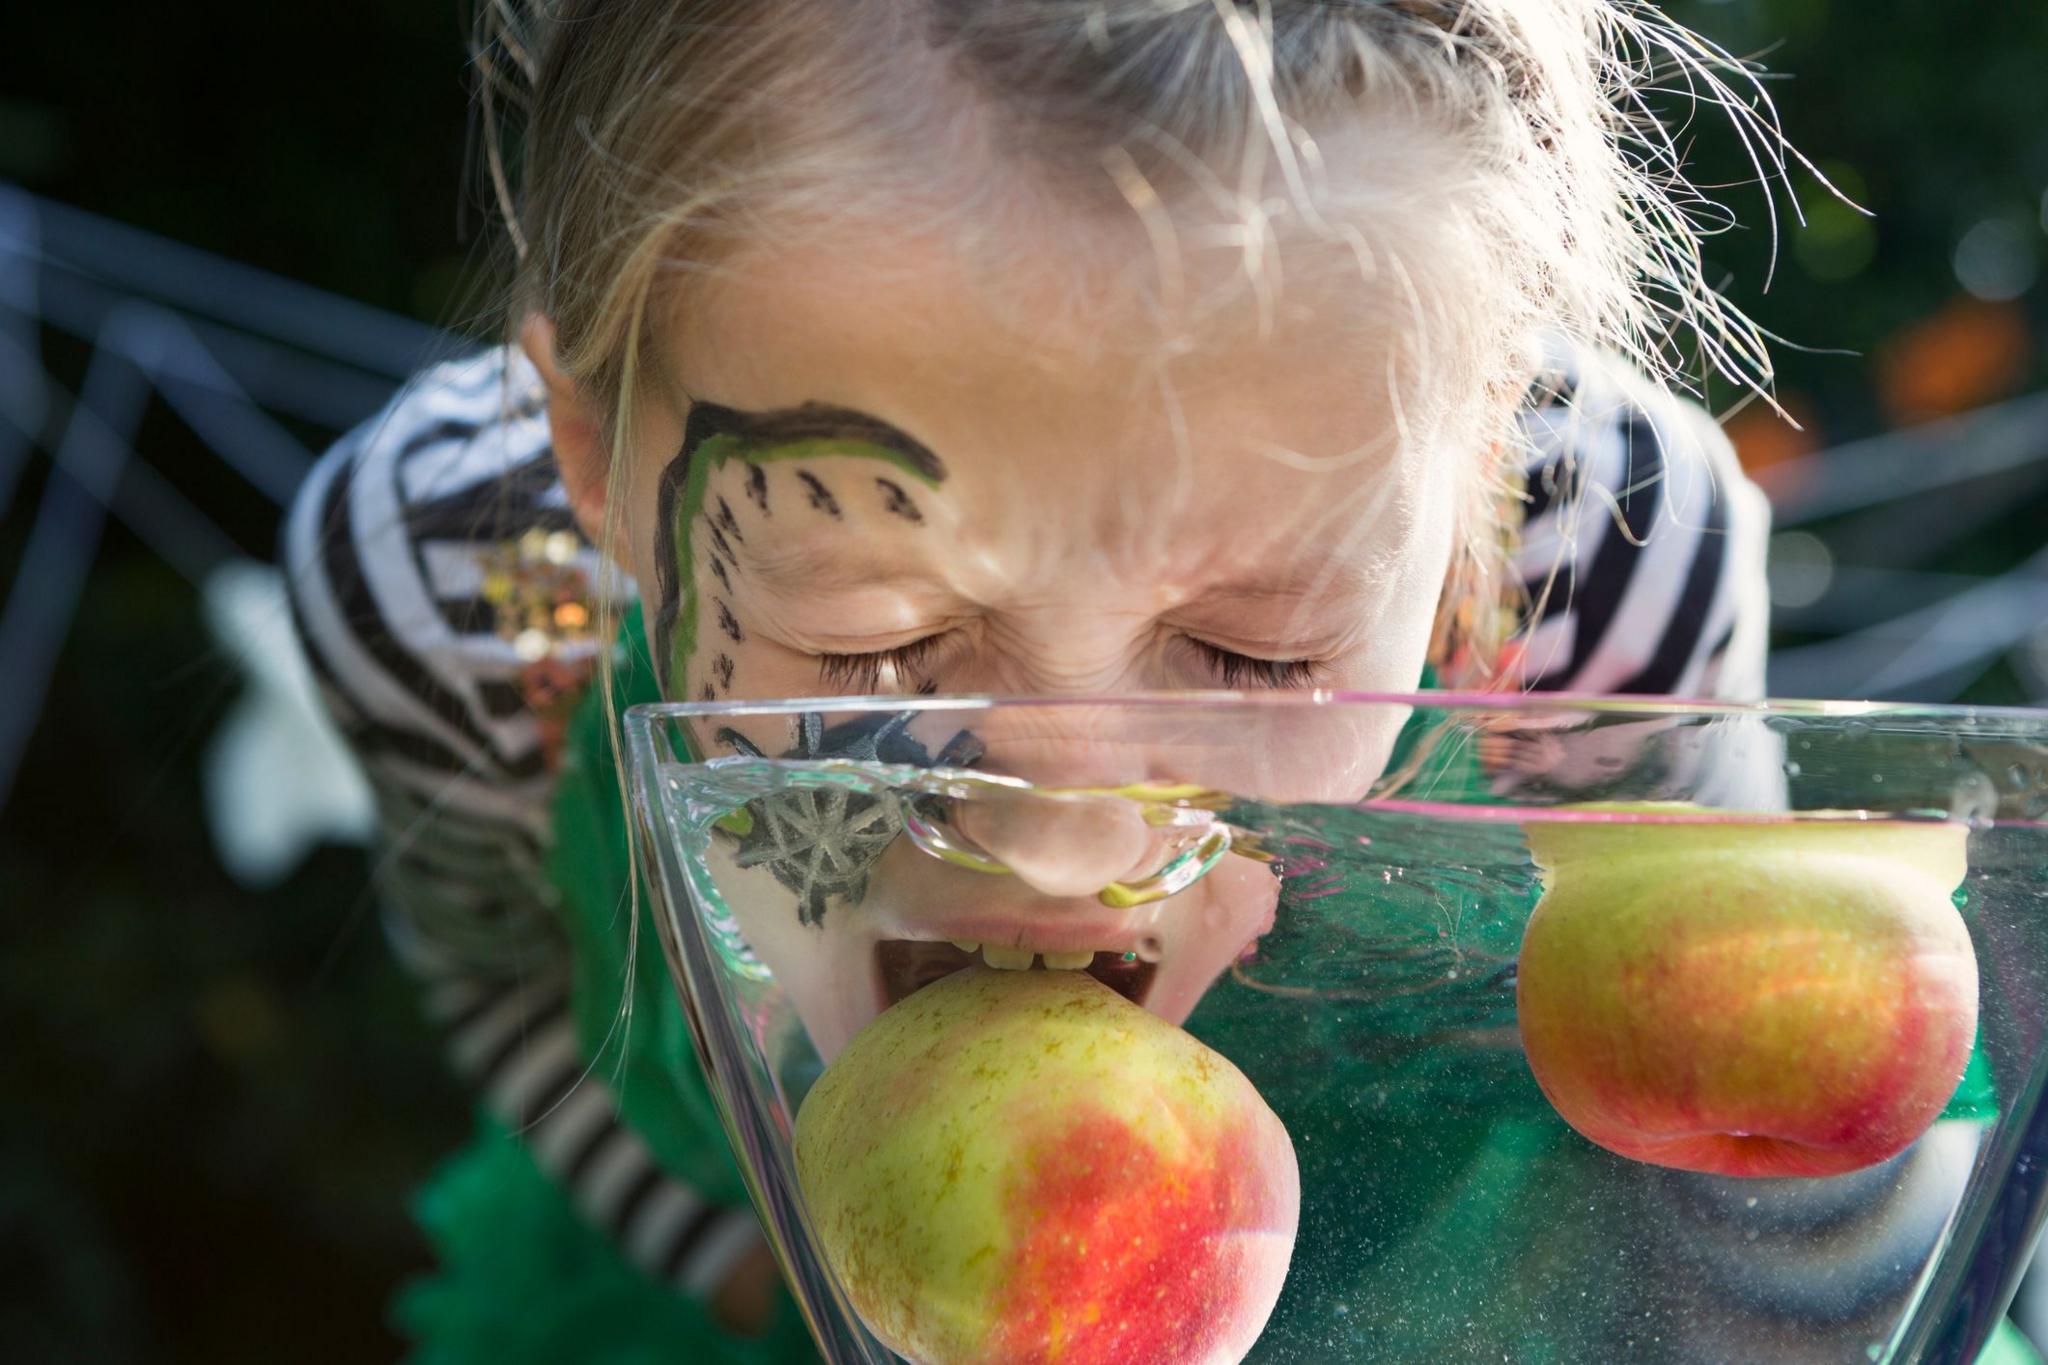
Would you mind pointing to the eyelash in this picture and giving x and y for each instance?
(861, 674)
(1234, 669)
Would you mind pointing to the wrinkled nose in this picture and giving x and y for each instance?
(1101, 813)
(1063, 846)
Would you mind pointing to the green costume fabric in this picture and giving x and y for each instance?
(522, 1278)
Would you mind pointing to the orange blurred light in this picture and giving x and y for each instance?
(1965, 355)
(1767, 442)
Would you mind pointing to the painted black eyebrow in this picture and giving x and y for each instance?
(808, 422)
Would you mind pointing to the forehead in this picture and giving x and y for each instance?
(940, 335)
(1102, 367)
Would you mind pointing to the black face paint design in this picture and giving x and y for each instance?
(710, 693)
(895, 500)
(668, 585)
(811, 422)
(730, 624)
(821, 496)
(722, 669)
(727, 520)
(715, 435)
(822, 842)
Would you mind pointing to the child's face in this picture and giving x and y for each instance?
(925, 484)
(896, 477)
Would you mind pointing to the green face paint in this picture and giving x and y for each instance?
(716, 436)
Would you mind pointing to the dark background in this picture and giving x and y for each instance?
(213, 1101)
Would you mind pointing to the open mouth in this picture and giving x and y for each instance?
(906, 966)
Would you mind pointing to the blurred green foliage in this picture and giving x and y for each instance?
(216, 1101)
(224, 1096)
(1934, 120)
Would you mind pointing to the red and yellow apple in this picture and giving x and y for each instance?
(1749, 999)
(1012, 1167)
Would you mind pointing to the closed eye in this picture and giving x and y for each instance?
(861, 674)
(1238, 670)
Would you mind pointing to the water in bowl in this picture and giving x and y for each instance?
(1448, 1213)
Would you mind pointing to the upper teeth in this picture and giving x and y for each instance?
(1020, 959)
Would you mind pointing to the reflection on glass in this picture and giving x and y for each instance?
(1782, 1037)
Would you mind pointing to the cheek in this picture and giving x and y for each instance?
(1412, 557)
(634, 494)
(750, 669)
(1445, 490)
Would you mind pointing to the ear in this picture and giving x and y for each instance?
(577, 430)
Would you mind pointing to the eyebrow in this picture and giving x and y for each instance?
(806, 422)
(811, 567)
(1347, 580)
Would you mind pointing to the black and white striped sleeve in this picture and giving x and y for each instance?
(1643, 555)
(387, 549)
(1642, 547)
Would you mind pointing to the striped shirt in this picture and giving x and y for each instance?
(1642, 549)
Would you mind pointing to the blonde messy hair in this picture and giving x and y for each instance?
(630, 143)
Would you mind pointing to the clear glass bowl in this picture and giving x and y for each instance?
(1332, 892)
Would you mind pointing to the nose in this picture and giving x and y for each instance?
(1280, 752)
(1062, 846)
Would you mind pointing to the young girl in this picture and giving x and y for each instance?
(1105, 345)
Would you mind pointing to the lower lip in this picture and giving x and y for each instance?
(905, 966)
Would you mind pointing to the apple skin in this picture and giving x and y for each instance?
(1012, 1167)
(1771, 999)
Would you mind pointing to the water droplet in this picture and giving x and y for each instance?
(1874, 1349)
(1792, 768)
(1750, 1202)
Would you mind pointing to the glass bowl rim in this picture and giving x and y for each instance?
(1533, 703)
